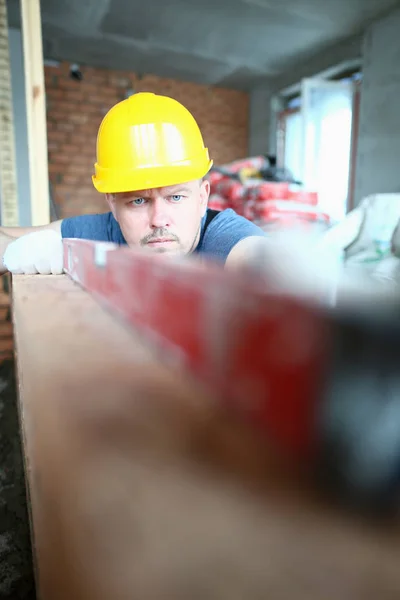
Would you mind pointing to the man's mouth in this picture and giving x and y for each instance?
(161, 243)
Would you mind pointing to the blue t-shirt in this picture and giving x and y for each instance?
(224, 231)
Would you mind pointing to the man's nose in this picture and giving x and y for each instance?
(159, 214)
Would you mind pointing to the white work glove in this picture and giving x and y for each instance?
(38, 252)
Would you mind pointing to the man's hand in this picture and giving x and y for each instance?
(37, 252)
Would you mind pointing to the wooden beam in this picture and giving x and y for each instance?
(8, 170)
(36, 111)
(143, 487)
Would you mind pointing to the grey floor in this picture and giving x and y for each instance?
(16, 571)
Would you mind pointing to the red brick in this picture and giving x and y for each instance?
(74, 96)
(51, 81)
(57, 136)
(71, 179)
(64, 126)
(78, 118)
(53, 93)
(53, 168)
(4, 299)
(59, 158)
(107, 97)
(97, 79)
(71, 149)
(52, 147)
(55, 115)
(66, 107)
(6, 329)
(78, 168)
(68, 83)
(6, 347)
(120, 82)
(94, 110)
(52, 70)
(80, 138)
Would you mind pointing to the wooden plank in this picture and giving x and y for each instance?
(142, 488)
(8, 169)
(36, 111)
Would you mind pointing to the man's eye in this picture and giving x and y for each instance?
(138, 201)
(176, 198)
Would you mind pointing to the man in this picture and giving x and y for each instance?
(151, 164)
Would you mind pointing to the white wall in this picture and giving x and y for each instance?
(21, 135)
(378, 154)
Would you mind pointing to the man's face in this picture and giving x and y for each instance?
(162, 219)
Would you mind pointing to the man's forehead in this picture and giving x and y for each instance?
(188, 186)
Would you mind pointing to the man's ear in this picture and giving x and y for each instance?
(111, 203)
(204, 194)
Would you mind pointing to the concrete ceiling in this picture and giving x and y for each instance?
(233, 43)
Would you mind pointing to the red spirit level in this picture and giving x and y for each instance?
(321, 384)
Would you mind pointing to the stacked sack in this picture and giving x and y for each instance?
(240, 185)
(228, 184)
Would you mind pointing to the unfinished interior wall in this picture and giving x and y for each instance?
(75, 109)
(377, 165)
(260, 120)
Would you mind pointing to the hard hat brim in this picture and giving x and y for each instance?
(111, 181)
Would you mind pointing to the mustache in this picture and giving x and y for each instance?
(160, 232)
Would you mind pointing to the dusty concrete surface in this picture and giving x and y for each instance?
(16, 571)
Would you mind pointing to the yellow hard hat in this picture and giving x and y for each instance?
(148, 141)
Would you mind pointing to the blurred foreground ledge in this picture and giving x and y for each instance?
(140, 487)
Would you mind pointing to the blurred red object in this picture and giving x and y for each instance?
(303, 197)
(217, 202)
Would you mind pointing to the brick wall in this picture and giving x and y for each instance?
(75, 110)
